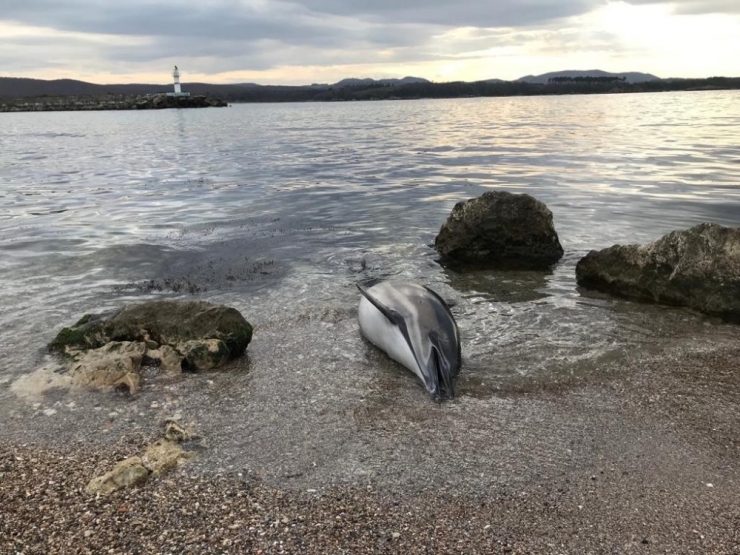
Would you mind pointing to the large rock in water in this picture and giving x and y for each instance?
(500, 230)
(698, 268)
(108, 350)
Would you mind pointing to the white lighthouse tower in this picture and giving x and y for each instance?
(176, 75)
(178, 89)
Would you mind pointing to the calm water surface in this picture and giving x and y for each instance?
(280, 209)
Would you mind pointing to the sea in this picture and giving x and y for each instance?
(281, 209)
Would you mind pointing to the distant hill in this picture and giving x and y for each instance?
(23, 87)
(582, 82)
(367, 82)
(631, 77)
(15, 87)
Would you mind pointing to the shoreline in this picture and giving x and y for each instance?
(648, 464)
(116, 102)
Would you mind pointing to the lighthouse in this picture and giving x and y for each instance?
(178, 89)
(176, 75)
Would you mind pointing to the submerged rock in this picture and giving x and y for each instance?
(500, 230)
(697, 268)
(108, 350)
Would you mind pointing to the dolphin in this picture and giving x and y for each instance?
(415, 327)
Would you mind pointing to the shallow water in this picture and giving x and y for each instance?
(280, 209)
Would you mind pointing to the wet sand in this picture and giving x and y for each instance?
(636, 453)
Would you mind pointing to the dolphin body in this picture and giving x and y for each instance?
(415, 327)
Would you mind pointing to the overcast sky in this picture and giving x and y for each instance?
(320, 41)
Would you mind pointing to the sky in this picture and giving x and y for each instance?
(322, 41)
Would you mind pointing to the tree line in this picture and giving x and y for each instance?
(587, 79)
(462, 89)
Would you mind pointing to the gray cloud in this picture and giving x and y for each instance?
(473, 13)
(279, 19)
(217, 36)
(317, 22)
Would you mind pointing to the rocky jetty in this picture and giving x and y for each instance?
(108, 351)
(500, 230)
(697, 268)
(107, 102)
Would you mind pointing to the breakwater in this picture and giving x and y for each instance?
(107, 102)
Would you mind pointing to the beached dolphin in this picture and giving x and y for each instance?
(415, 327)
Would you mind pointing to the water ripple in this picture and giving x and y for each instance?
(279, 209)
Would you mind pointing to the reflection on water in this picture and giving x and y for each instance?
(500, 286)
(280, 209)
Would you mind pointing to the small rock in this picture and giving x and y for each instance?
(175, 432)
(163, 455)
(128, 473)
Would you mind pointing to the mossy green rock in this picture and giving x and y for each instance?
(204, 354)
(164, 322)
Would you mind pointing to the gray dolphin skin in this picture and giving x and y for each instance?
(415, 327)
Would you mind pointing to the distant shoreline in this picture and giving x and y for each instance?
(411, 91)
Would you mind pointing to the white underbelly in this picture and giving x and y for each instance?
(384, 335)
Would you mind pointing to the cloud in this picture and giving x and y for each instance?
(280, 19)
(462, 13)
(226, 35)
(284, 41)
(695, 7)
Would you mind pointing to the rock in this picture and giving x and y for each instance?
(697, 268)
(117, 364)
(107, 102)
(107, 349)
(168, 359)
(158, 458)
(203, 355)
(126, 474)
(173, 431)
(164, 322)
(500, 230)
(163, 455)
